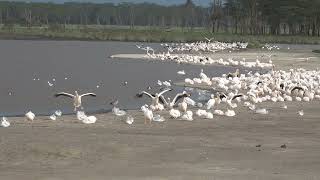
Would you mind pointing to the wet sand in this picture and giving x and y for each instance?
(243, 147)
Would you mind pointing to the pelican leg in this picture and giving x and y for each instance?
(145, 120)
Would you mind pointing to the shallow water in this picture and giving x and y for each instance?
(86, 65)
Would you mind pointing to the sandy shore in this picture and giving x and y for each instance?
(283, 59)
(243, 147)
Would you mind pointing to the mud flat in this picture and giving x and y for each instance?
(247, 146)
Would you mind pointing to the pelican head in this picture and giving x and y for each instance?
(76, 93)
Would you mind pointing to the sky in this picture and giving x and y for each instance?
(162, 2)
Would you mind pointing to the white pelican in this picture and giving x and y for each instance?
(30, 116)
(90, 120)
(181, 72)
(211, 102)
(118, 112)
(148, 114)
(58, 113)
(233, 75)
(187, 116)
(284, 106)
(301, 113)
(175, 113)
(158, 118)
(129, 120)
(76, 98)
(230, 113)
(218, 112)
(5, 122)
(53, 117)
(201, 112)
(262, 111)
(179, 96)
(209, 115)
(154, 97)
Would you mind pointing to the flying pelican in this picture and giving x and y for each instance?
(154, 97)
(76, 98)
(209, 40)
(169, 104)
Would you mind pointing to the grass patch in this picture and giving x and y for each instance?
(316, 51)
(141, 34)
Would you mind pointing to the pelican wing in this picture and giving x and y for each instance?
(190, 101)
(164, 91)
(163, 100)
(236, 96)
(221, 95)
(297, 88)
(88, 94)
(64, 94)
(180, 96)
(146, 93)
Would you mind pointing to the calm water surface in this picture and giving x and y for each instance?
(27, 66)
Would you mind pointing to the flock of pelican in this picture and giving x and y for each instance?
(234, 90)
(230, 91)
(203, 46)
(184, 58)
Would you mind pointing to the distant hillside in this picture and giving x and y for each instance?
(162, 2)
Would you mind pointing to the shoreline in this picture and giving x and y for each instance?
(152, 36)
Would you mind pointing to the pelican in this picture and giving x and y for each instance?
(230, 113)
(30, 116)
(5, 122)
(76, 98)
(179, 96)
(218, 112)
(154, 97)
(301, 113)
(182, 72)
(148, 114)
(53, 117)
(175, 113)
(262, 111)
(233, 75)
(211, 102)
(129, 120)
(187, 116)
(209, 115)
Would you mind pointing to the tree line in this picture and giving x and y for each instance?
(230, 16)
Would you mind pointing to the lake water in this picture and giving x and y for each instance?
(27, 66)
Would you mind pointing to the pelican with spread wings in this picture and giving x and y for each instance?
(77, 99)
(154, 97)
